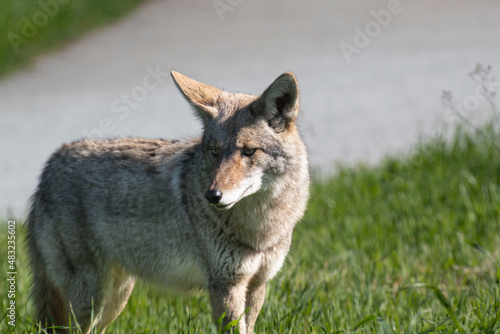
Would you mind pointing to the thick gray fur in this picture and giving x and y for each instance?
(108, 212)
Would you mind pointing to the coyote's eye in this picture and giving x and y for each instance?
(249, 151)
(214, 151)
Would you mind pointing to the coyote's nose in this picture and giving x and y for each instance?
(213, 196)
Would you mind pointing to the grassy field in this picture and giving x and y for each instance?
(408, 246)
(30, 28)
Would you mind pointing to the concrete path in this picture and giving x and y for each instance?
(371, 75)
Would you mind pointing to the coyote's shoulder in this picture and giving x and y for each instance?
(214, 212)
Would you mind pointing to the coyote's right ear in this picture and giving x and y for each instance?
(202, 96)
(279, 104)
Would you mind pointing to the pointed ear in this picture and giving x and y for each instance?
(279, 104)
(202, 96)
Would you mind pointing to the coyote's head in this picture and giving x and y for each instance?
(248, 141)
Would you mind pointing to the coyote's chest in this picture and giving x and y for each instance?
(184, 275)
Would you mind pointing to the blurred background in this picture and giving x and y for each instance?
(371, 72)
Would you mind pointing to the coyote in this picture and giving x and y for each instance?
(215, 212)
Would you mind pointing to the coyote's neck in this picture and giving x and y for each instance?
(268, 217)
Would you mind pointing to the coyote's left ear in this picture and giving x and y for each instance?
(279, 104)
(202, 96)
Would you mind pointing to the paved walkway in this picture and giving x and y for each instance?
(377, 99)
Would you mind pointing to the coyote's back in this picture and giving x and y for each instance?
(215, 212)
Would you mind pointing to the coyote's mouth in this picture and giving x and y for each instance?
(223, 206)
(229, 205)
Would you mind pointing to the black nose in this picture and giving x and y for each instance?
(213, 196)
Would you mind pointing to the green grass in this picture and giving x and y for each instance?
(408, 246)
(65, 20)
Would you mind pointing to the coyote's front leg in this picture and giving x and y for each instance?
(256, 293)
(228, 297)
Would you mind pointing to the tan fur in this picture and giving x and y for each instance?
(201, 213)
(120, 286)
(229, 174)
(198, 93)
